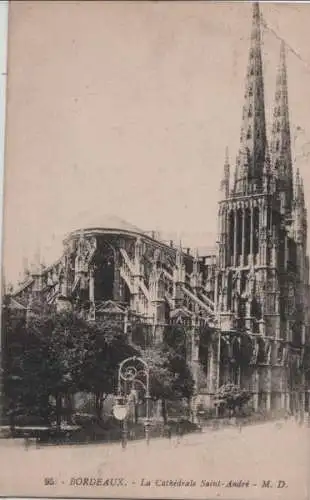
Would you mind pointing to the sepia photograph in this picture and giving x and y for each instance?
(155, 302)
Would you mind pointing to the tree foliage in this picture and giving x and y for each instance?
(170, 375)
(53, 355)
(232, 398)
(49, 356)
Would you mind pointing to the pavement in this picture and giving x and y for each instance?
(266, 461)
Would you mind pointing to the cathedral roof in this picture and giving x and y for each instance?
(105, 222)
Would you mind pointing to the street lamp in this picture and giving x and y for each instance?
(130, 370)
(120, 412)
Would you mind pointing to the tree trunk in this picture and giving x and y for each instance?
(69, 408)
(164, 410)
(136, 414)
(12, 422)
(44, 405)
(58, 410)
(189, 408)
(99, 404)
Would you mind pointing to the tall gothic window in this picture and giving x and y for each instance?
(247, 233)
(255, 230)
(229, 291)
(239, 232)
(231, 231)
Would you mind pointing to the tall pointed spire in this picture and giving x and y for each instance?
(225, 182)
(302, 191)
(297, 183)
(298, 189)
(281, 137)
(250, 164)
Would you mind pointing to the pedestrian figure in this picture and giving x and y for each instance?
(216, 424)
(179, 431)
(27, 443)
(167, 431)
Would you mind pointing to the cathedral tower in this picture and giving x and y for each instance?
(250, 162)
(258, 257)
(281, 138)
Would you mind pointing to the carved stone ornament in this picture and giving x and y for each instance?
(254, 352)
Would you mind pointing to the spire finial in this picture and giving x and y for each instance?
(226, 156)
(282, 51)
(225, 183)
(297, 185)
(255, 15)
(299, 194)
(281, 135)
(253, 130)
(302, 190)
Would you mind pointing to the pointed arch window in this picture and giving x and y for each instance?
(250, 90)
(250, 113)
(277, 145)
(278, 126)
(249, 133)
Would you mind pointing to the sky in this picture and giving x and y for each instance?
(126, 108)
(3, 61)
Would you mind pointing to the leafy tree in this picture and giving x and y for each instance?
(161, 376)
(176, 346)
(51, 355)
(170, 376)
(52, 360)
(54, 355)
(232, 398)
(107, 346)
(12, 348)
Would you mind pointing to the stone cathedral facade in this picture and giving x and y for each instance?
(244, 309)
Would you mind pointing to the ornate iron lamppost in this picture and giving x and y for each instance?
(130, 372)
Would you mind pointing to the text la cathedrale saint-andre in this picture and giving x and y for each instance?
(177, 483)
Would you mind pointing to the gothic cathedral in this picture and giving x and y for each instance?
(262, 263)
(253, 294)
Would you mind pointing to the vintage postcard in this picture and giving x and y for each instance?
(155, 293)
